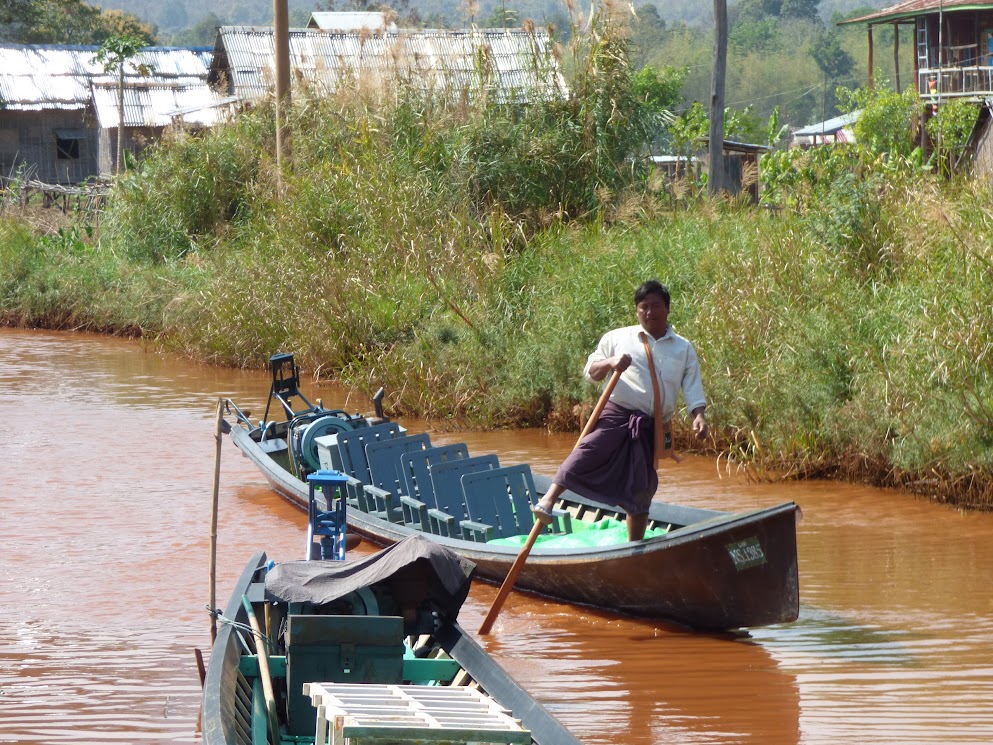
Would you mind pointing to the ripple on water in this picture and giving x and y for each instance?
(71, 683)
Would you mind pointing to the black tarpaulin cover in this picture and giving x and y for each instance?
(436, 574)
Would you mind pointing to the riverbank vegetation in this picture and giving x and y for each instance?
(468, 256)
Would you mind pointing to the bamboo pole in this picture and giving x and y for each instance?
(538, 527)
(715, 177)
(262, 654)
(218, 432)
(598, 409)
(896, 55)
(281, 46)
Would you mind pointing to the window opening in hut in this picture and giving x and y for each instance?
(67, 143)
(68, 149)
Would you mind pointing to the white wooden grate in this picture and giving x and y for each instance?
(350, 714)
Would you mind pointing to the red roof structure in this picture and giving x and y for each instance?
(911, 8)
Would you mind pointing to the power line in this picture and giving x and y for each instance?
(782, 93)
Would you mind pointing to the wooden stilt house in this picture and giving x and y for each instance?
(953, 60)
(953, 45)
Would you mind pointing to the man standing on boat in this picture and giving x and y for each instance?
(615, 463)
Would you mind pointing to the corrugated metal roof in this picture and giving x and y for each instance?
(350, 21)
(33, 92)
(44, 77)
(911, 8)
(829, 126)
(151, 105)
(513, 64)
(68, 77)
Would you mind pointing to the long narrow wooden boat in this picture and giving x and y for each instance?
(368, 649)
(704, 569)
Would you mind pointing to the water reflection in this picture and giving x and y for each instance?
(893, 685)
(633, 681)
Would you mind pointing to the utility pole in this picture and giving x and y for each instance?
(281, 40)
(715, 178)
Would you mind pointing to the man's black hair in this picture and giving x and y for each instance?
(652, 287)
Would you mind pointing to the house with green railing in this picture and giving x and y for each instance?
(952, 45)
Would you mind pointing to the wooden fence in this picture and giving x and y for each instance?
(78, 198)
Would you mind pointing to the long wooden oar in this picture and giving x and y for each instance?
(598, 409)
(262, 653)
(518, 565)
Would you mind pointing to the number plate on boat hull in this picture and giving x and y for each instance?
(747, 553)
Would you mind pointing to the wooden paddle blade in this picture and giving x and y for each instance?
(511, 578)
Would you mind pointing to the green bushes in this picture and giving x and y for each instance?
(65, 281)
(187, 192)
(817, 362)
(886, 119)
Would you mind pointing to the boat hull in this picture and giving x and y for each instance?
(719, 571)
(222, 715)
(227, 714)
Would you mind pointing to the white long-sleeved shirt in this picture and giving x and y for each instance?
(675, 363)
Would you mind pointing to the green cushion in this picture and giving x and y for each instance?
(584, 535)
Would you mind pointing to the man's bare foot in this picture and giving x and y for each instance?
(542, 513)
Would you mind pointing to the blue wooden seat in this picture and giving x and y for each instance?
(501, 497)
(351, 454)
(352, 445)
(386, 473)
(419, 494)
(450, 518)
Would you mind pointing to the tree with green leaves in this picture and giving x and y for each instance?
(806, 10)
(203, 33)
(949, 130)
(501, 17)
(831, 57)
(886, 119)
(659, 90)
(114, 55)
(112, 22)
(834, 62)
(66, 22)
(647, 32)
(757, 10)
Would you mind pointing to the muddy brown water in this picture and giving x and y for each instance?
(107, 465)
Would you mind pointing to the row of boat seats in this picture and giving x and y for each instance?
(352, 448)
(502, 497)
(345, 452)
(441, 490)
